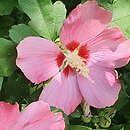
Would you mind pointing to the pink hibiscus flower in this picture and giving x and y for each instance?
(36, 116)
(85, 70)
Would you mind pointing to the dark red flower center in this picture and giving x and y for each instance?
(75, 58)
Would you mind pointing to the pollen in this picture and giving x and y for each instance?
(76, 62)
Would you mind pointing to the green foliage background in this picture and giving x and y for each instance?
(22, 18)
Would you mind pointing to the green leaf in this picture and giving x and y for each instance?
(127, 126)
(1, 81)
(125, 112)
(20, 31)
(83, 1)
(107, 4)
(77, 127)
(121, 15)
(86, 119)
(121, 127)
(117, 127)
(128, 66)
(7, 57)
(6, 6)
(35, 95)
(123, 100)
(5, 23)
(95, 119)
(17, 88)
(70, 4)
(46, 19)
(105, 122)
(77, 113)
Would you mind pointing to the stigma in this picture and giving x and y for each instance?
(76, 62)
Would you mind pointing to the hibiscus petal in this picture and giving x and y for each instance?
(8, 115)
(110, 49)
(37, 116)
(38, 58)
(84, 23)
(103, 88)
(62, 92)
(110, 37)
